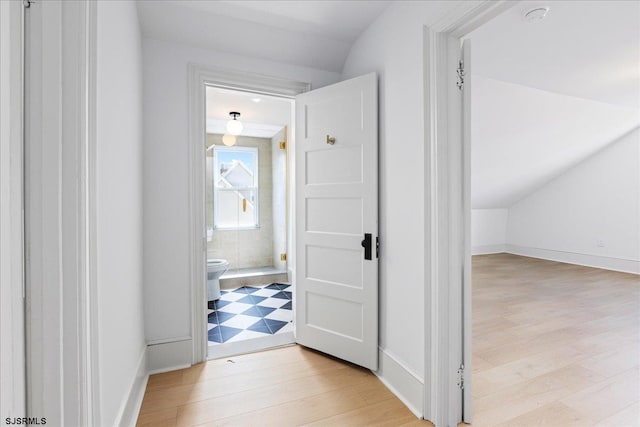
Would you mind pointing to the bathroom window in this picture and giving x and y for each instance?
(235, 188)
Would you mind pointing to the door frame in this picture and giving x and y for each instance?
(12, 302)
(59, 192)
(199, 77)
(447, 272)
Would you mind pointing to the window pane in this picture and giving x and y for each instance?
(237, 209)
(235, 187)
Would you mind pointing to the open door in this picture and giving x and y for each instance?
(466, 226)
(337, 220)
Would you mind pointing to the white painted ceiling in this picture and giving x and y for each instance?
(308, 33)
(261, 119)
(547, 95)
(522, 137)
(588, 49)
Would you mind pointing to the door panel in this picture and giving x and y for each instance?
(334, 266)
(346, 218)
(337, 202)
(346, 161)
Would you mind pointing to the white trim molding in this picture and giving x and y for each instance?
(12, 309)
(169, 355)
(401, 381)
(445, 246)
(131, 404)
(489, 249)
(200, 77)
(58, 136)
(588, 260)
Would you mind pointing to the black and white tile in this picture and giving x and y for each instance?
(250, 312)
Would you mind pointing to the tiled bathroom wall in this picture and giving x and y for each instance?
(244, 248)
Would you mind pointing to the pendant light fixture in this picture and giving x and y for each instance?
(228, 139)
(234, 126)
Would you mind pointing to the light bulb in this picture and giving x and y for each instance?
(234, 127)
(228, 140)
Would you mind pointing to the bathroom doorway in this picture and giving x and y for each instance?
(249, 288)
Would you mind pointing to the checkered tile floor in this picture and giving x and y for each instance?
(250, 312)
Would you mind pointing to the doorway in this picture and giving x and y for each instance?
(347, 110)
(251, 86)
(249, 288)
(540, 134)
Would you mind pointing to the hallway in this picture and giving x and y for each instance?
(282, 387)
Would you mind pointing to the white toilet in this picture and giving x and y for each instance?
(215, 269)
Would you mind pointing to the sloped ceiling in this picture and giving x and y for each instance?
(547, 95)
(523, 137)
(312, 33)
(586, 49)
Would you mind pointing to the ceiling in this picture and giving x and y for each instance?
(311, 33)
(522, 137)
(549, 94)
(261, 119)
(587, 49)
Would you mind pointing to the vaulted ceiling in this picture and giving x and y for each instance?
(309, 33)
(548, 94)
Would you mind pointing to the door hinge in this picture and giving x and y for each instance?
(27, 3)
(460, 382)
(460, 73)
(283, 257)
(283, 145)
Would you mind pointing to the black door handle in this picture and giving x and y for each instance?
(366, 244)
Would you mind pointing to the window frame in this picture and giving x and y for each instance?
(255, 188)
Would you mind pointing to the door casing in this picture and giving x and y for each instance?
(199, 78)
(445, 296)
(12, 305)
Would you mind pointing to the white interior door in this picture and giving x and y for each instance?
(466, 206)
(337, 220)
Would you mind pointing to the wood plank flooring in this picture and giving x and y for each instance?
(287, 386)
(554, 344)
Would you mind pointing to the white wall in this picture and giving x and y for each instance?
(12, 355)
(488, 231)
(119, 205)
(166, 174)
(589, 215)
(393, 47)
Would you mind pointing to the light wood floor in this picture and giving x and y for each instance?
(554, 344)
(283, 387)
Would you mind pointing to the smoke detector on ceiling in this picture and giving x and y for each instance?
(536, 14)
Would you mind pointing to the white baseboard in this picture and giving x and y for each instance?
(488, 249)
(587, 260)
(131, 406)
(401, 381)
(169, 356)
